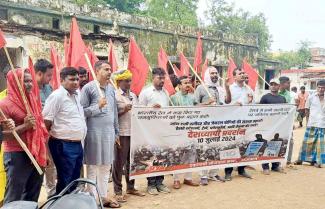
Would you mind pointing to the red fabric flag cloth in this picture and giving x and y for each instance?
(162, 62)
(177, 71)
(139, 67)
(111, 56)
(198, 54)
(92, 56)
(77, 49)
(252, 74)
(204, 68)
(56, 62)
(2, 39)
(231, 67)
(36, 138)
(66, 50)
(35, 89)
(185, 68)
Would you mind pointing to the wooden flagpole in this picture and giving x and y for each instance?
(22, 93)
(23, 145)
(94, 75)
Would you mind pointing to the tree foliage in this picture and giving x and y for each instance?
(225, 18)
(296, 59)
(180, 11)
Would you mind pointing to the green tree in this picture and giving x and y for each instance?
(223, 17)
(295, 59)
(178, 11)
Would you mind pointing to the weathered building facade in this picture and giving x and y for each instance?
(31, 26)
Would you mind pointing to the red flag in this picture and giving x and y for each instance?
(204, 68)
(139, 67)
(185, 68)
(178, 72)
(198, 54)
(56, 62)
(162, 62)
(111, 56)
(92, 56)
(252, 74)
(2, 39)
(231, 67)
(35, 89)
(77, 48)
(66, 50)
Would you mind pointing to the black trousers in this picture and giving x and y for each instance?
(122, 159)
(23, 180)
(241, 170)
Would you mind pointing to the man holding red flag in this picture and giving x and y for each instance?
(23, 180)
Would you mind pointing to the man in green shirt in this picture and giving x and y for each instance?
(284, 86)
(184, 98)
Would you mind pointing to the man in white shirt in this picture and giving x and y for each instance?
(313, 146)
(241, 94)
(157, 97)
(64, 118)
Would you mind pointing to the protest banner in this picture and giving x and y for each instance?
(185, 139)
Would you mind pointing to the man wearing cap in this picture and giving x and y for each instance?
(125, 100)
(272, 98)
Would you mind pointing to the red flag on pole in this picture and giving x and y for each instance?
(56, 62)
(252, 74)
(178, 72)
(77, 48)
(111, 56)
(204, 68)
(2, 39)
(92, 56)
(231, 67)
(185, 68)
(162, 62)
(198, 54)
(139, 67)
(66, 50)
(35, 89)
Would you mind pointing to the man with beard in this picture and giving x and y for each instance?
(155, 96)
(23, 180)
(102, 129)
(44, 72)
(216, 96)
(83, 77)
(313, 146)
(184, 98)
(126, 99)
(241, 94)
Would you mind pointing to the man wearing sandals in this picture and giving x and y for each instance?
(125, 100)
(155, 96)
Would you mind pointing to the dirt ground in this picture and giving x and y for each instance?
(303, 188)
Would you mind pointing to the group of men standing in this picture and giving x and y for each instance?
(89, 123)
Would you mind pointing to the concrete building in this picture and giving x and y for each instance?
(30, 26)
(318, 56)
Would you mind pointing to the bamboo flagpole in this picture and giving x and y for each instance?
(23, 145)
(196, 75)
(22, 93)
(94, 75)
